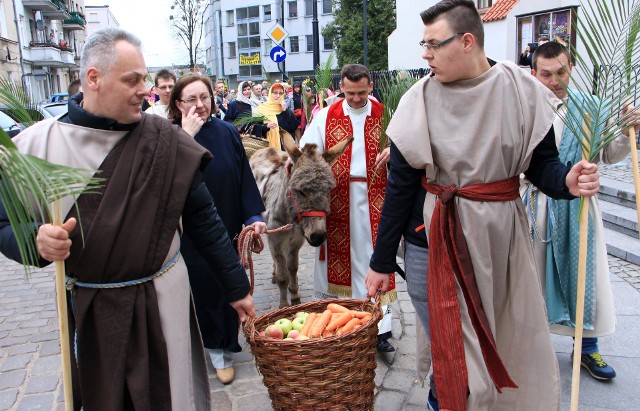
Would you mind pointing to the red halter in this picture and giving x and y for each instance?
(300, 214)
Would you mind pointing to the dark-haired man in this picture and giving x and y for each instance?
(553, 243)
(165, 81)
(74, 88)
(342, 262)
(468, 131)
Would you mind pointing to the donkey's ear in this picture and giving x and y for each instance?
(331, 155)
(290, 145)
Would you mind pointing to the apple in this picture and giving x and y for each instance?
(298, 323)
(261, 333)
(274, 331)
(302, 337)
(289, 339)
(301, 314)
(293, 334)
(285, 325)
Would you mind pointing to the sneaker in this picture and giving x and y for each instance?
(432, 402)
(596, 366)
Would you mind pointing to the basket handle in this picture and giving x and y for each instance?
(250, 324)
(377, 301)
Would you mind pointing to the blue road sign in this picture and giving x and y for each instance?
(278, 54)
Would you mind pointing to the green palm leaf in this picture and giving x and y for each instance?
(392, 88)
(246, 119)
(609, 31)
(18, 104)
(324, 79)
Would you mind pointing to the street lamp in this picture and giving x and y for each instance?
(316, 35)
(364, 25)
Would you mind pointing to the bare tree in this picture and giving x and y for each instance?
(188, 20)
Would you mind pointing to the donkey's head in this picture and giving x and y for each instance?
(310, 185)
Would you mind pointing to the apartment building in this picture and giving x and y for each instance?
(99, 17)
(237, 45)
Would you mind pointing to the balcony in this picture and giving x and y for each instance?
(44, 54)
(68, 59)
(76, 22)
(51, 9)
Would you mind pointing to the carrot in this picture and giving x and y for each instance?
(326, 333)
(348, 326)
(337, 308)
(360, 314)
(307, 324)
(319, 324)
(365, 320)
(338, 320)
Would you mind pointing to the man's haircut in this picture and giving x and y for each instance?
(165, 75)
(355, 72)
(74, 87)
(549, 50)
(461, 15)
(173, 111)
(100, 50)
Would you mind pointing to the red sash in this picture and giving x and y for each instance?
(449, 260)
(338, 128)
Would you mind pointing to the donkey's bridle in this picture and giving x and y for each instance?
(308, 213)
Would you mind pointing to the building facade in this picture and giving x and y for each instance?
(509, 26)
(237, 42)
(99, 17)
(9, 46)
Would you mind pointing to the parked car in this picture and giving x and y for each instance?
(9, 125)
(58, 97)
(53, 109)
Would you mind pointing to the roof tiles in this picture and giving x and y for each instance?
(499, 10)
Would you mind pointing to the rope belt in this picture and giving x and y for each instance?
(449, 260)
(71, 282)
(358, 179)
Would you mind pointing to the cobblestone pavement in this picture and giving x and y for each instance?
(30, 360)
(620, 171)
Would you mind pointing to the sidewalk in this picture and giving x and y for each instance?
(30, 360)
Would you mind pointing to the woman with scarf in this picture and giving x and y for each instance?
(245, 104)
(236, 196)
(278, 115)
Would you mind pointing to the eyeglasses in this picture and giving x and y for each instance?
(436, 46)
(205, 98)
(277, 93)
(166, 87)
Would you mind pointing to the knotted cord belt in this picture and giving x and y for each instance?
(449, 260)
(250, 242)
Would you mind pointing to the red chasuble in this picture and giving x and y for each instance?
(338, 128)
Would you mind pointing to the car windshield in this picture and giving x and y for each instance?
(6, 121)
(56, 109)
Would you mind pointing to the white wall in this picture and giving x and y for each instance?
(404, 51)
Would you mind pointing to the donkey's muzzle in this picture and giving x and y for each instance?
(316, 239)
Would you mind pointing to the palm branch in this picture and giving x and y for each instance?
(323, 79)
(246, 119)
(392, 88)
(609, 31)
(18, 103)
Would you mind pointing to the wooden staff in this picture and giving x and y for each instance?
(63, 318)
(582, 274)
(636, 172)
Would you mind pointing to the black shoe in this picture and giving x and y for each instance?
(384, 346)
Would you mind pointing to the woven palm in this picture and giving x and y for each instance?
(333, 373)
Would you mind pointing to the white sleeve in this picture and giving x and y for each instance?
(314, 134)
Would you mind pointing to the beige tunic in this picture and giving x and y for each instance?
(605, 320)
(86, 148)
(476, 131)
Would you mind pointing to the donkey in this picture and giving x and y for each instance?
(301, 200)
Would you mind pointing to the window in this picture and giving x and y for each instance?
(268, 45)
(230, 18)
(250, 72)
(266, 10)
(483, 4)
(232, 50)
(294, 44)
(309, 41)
(327, 44)
(293, 9)
(308, 8)
(556, 25)
(93, 18)
(326, 7)
(248, 22)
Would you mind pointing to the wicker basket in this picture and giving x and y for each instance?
(333, 373)
(252, 144)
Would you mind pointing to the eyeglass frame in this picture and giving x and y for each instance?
(196, 99)
(436, 46)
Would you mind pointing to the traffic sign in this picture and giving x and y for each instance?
(277, 33)
(278, 54)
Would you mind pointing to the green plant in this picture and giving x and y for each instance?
(392, 88)
(17, 102)
(324, 79)
(246, 119)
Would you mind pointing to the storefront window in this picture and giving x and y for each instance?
(553, 25)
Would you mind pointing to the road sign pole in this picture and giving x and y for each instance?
(316, 36)
(284, 64)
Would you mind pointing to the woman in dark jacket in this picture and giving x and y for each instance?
(278, 116)
(231, 183)
(244, 105)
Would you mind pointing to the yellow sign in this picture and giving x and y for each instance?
(277, 34)
(249, 59)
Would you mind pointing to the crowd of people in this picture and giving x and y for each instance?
(163, 230)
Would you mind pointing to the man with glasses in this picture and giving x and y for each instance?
(465, 134)
(165, 82)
